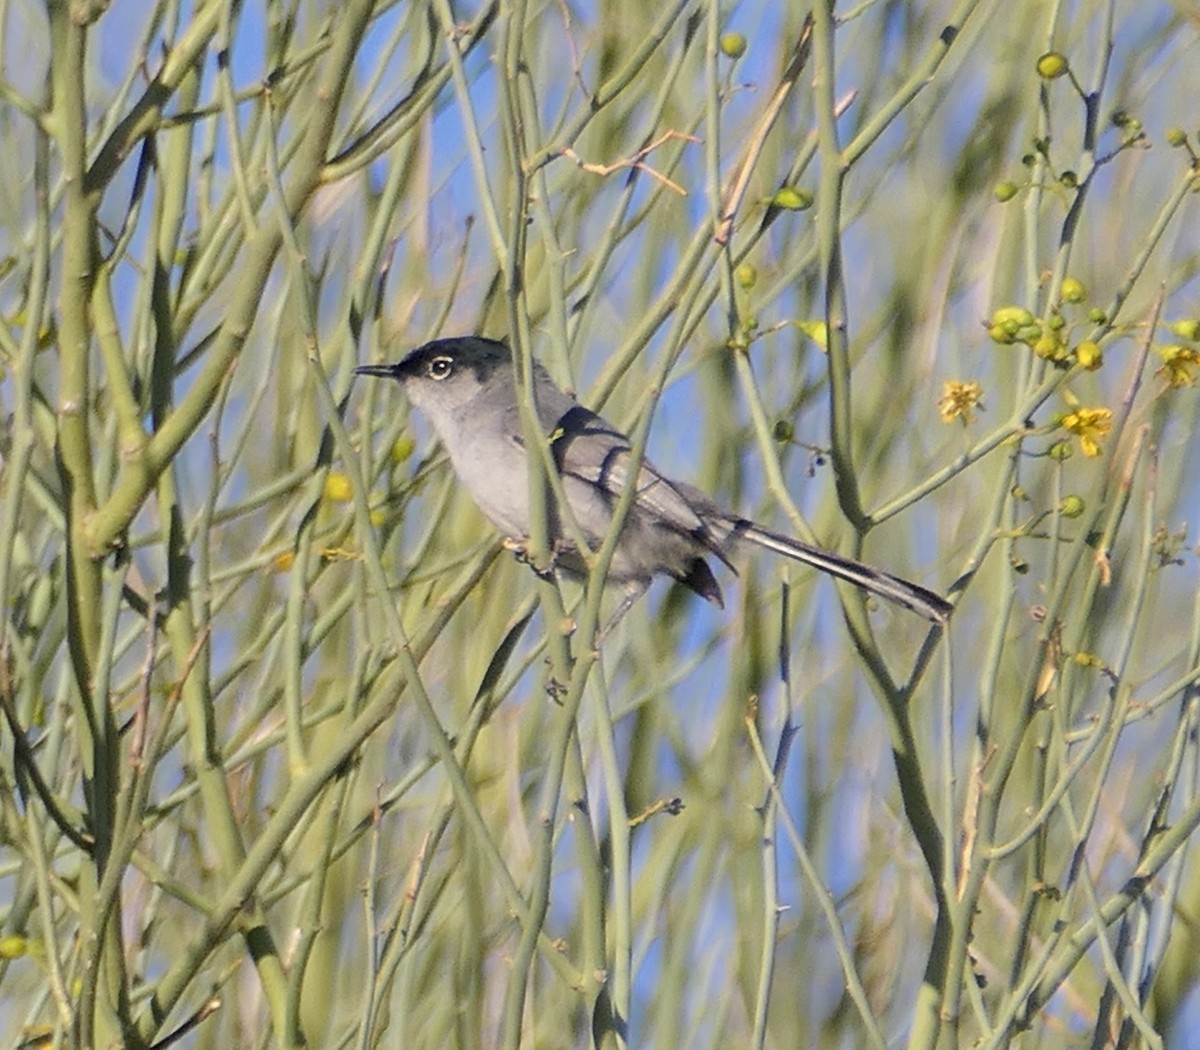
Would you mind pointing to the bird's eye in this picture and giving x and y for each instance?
(441, 367)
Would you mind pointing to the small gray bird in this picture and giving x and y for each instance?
(465, 387)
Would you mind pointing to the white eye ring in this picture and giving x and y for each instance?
(441, 367)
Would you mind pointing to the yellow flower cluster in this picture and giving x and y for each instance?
(1049, 339)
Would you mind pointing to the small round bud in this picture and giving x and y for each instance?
(338, 488)
(1097, 316)
(13, 946)
(733, 45)
(1071, 507)
(1089, 355)
(1000, 333)
(791, 198)
(1052, 65)
(1068, 179)
(1060, 450)
(1010, 315)
(1072, 290)
(402, 448)
(1047, 347)
(784, 431)
(1019, 494)
(1056, 322)
(1006, 191)
(747, 275)
(1176, 137)
(1189, 330)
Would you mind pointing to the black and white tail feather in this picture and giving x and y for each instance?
(912, 596)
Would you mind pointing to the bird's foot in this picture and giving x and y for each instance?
(520, 550)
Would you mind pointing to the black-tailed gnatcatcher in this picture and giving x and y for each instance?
(465, 388)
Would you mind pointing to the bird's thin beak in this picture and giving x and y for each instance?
(386, 371)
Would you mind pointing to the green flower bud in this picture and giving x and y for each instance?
(1072, 290)
(13, 946)
(1017, 315)
(1052, 65)
(790, 198)
(1189, 330)
(402, 448)
(1047, 347)
(1071, 507)
(733, 45)
(1089, 355)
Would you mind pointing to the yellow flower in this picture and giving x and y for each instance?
(1090, 425)
(959, 400)
(1177, 364)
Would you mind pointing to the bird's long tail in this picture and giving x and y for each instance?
(912, 596)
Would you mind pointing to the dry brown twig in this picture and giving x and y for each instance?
(636, 160)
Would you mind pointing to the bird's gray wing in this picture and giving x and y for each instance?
(587, 447)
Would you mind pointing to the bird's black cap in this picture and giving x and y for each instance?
(475, 352)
